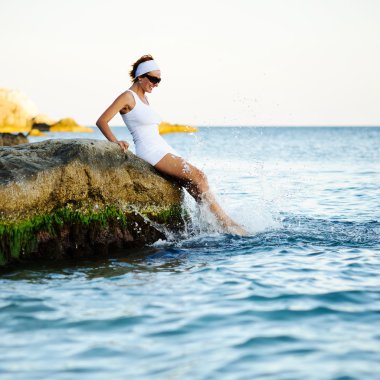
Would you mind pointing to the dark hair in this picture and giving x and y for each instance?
(144, 58)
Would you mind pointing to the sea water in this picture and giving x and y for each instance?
(297, 299)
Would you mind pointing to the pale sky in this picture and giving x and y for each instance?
(240, 62)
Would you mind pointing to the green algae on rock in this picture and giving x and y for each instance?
(78, 198)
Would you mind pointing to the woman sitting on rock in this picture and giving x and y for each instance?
(142, 121)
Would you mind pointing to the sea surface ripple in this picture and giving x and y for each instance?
(297, 299)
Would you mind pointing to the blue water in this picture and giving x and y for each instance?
(297, 299)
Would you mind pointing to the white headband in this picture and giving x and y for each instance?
(145, 67)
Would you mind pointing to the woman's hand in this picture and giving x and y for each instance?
(123, 145)
(122, 101)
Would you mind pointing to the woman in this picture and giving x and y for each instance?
(143, 122)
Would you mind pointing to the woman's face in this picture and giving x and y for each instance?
(149, 80)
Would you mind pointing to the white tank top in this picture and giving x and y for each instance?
(142, 121)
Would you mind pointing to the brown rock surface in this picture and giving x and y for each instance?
(84, 177)
(9, 139)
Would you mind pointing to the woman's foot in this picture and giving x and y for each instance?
(235, 229)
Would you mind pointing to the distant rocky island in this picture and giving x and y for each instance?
(19, 115)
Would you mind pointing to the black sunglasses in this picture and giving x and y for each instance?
(152, 79)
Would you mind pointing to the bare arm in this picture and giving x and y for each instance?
(122, 101)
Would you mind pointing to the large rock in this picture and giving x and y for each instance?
(68, 125)
(16, 111)
(9, 139)
(165, 127)
(42, 122)
(78, 197)
(19, 114)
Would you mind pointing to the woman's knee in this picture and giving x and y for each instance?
(200, 179)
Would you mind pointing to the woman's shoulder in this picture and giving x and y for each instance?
(123, 103)
(126, 98)
(127, 95)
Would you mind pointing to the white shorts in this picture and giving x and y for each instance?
(154, 152)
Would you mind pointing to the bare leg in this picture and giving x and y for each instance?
(195, 182)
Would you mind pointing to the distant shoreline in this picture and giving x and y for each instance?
(271, 126)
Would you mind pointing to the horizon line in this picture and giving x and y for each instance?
(270, 126)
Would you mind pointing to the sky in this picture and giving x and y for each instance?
(240, 62)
